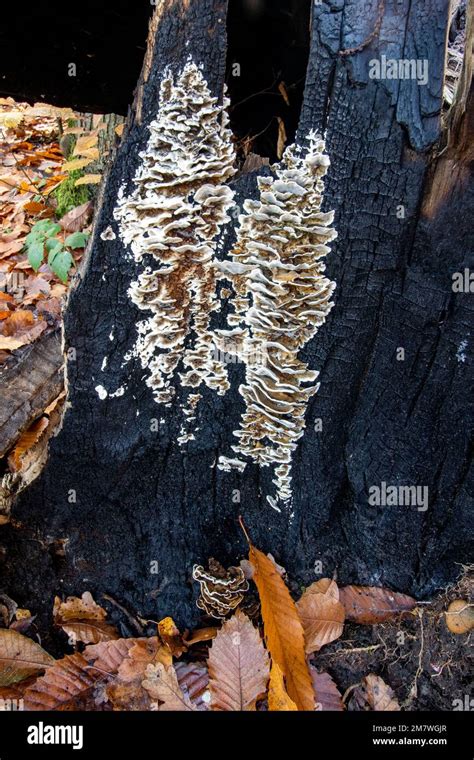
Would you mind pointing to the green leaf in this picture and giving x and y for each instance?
(35, 254)
(76, 240)
(53, 230)
(58, 248)
(53, 244)
(61, 264)
(34, 237)
(42, 226)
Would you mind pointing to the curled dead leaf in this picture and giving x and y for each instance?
(171, 636)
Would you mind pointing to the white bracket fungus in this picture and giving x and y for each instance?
(280, 296)
(171, 221)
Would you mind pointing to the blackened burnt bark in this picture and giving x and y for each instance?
(137, 497)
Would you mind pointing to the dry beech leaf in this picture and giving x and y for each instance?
(278, 699)
(16, 690)
(109, 655)
(19, 320)
(374, 694)
(20, 657)
(67, 685)
(371, 604)
(84, 143)
(77, 218)
(460, 616)
(8, 343)
(88, 179)
(162, 685)
(89, 631)
(238, 666)
(171, 637)
(328, 697)
(119, 129)
(76, 163)
(193, 678)
(83, 620)
(283, 629)
(322, 616)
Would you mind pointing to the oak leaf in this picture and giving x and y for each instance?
(162, 685)
(238, 666)
(126, 692)
(283, 629)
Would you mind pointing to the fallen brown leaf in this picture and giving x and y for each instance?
(193, 678)
(202, 634)
(76, 219)
(26, 442)
(162, 686)
(171, 636)
(371, 604)
(322, 616)
(374, 694)
(238, 666)
(328, 697)
(283, 629)
(77, 608)
(278, 699)
(20, 657)
(67, 685)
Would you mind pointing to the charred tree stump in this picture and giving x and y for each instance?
(123, 496)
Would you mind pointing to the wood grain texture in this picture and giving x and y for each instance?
(29, 384)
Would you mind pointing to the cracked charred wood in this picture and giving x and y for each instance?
(382, 475)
